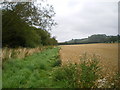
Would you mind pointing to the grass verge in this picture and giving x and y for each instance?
(81, 75)
(33, 72)
(44, 70)
(86, 74)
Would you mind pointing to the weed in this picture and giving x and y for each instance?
(66, 75)
(89, 71)
(31, 72)
(81, 75)
(57, 61)
(42, 66)
(114, 82)
(8, 53)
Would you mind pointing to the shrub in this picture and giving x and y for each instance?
(82, 75)
(42, 66)
(67, 75)
(116, 81)
(113, 82)
(57, 61)
(89, 71)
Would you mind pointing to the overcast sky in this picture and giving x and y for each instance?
(81, 18)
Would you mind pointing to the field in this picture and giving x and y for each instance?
(52, 68)
(107, 53)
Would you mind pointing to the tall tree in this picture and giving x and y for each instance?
(33, 14)
(19, 20)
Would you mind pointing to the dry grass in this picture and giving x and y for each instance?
(108, 54)
(8, 53)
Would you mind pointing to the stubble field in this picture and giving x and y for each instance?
(107, 53)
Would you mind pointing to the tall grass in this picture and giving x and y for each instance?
(8, 53)
(34, 71)
(45, 70)
(82, 75)
(86, 74)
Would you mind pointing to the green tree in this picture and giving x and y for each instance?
(113, 39)
(34, 15)
(18, 33)
(97, 38)
(20, 21)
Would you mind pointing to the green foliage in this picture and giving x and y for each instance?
(42, 66)
(31, 72)
(67, 75)
(18, 20)
(96, 38)
(57, 63)
(45, 37)
(18, 33)
(33, 14)
(81, 75)
(115, 82)
(41, 71)
(89, 71)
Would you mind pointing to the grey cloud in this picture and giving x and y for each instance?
(93, 18)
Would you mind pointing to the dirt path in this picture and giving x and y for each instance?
(108, 54)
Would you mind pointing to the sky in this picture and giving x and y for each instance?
(81, 18)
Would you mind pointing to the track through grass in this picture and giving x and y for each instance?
(43, 70)
(31, 72)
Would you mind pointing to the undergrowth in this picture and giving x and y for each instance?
(44, 70)
(81, 75)
(31, 72)
(15, 53)
(86, 74)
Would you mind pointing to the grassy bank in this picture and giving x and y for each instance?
(8, 53)
(31, 72)
(44, 70)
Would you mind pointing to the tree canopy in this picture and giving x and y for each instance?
(26, 24)
(31, 13)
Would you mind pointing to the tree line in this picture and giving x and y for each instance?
(96, 38)
(27, 24)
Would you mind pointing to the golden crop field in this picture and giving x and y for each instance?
(108, 54)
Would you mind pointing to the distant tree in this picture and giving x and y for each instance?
(75, 41)
(45, 37)
(53, 41)
(118, 38)
(97, 38)
(113, 39)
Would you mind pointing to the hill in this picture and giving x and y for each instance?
(96, 38)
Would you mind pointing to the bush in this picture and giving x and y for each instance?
(113, 82)
(67, 75)
(42, 66)
(116, 81)
(57, 63)
(89, 71)
(81, 75)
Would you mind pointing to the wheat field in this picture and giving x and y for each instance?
(107, 53)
